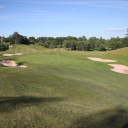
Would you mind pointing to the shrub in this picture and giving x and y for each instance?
(4, 47)
(20, 63)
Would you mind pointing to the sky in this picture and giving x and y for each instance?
(62, 18)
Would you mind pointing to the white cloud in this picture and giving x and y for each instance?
(116, 29)
(74, 8)
(1, 6)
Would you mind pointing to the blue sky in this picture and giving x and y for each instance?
(61, 18)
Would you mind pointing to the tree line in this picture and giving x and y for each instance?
(70, 42)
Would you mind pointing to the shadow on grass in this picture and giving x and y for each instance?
(112, 118)
(10, 104)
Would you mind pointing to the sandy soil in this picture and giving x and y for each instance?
(11, 63)
(101, 60)
(119, 68)
(12, 54)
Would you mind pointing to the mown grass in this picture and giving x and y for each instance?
(63, 89)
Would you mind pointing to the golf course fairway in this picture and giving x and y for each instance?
(63, 89)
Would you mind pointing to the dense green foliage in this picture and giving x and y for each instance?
(63, 89)
(16, 38)
(70, 43)
(4, 47)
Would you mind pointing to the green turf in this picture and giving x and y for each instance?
(63, 89)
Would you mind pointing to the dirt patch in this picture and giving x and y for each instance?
(11, 63)
(12, 54)
(101, 60)
(119, 68)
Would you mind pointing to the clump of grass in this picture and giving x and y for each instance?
(20, 63)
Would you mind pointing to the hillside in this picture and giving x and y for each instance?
(121, 51)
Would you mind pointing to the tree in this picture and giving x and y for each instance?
(73, 45)
(53, 44)
(60, 40)
(83, 38)
(50, 38)
(97, 45)
(43, 39)
(71, 38)
(47, 43)
(102, 47)
(16, 38)
(108, 44)
(32, 40)
(87, 46)
(124, 42)
(92, 41)
(67, 44)
(80, 45)
(41, 43)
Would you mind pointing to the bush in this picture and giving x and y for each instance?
(59, 46)
(20, 63)
(4, 47)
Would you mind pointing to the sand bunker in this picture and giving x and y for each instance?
(11, 63)
(119, 68)
(101, 60)
(12, 54)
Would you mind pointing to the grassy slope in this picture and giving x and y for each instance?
(64, 90)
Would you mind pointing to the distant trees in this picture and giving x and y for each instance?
(124, 42)
(32, 40)
(70, 42)
(67, 44)
(102, 48)
(83, 38)
(87, 46)
(60, 40)
(92, 41)
(53, 44)
(16, 38)
(80, 45)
